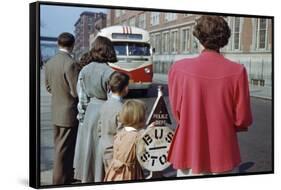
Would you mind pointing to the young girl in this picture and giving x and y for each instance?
(124, 165)
(108, 123)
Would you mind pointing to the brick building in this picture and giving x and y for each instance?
(171, 36)
(88, 23)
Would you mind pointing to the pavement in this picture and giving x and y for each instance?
(264, 92)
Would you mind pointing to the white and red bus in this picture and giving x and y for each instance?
(133, 52)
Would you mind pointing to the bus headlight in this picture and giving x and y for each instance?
(147, 70)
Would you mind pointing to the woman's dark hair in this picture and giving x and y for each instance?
(102, 52)
(213, 32)
(85, 59)
(118, 81)
(66, 40)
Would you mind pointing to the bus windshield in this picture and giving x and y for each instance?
(134, 49)
(139, 49)
(120, 48)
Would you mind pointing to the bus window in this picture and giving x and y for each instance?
(139, 49)
(127, 36)
(120, 48)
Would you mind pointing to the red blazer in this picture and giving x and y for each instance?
(209, 97)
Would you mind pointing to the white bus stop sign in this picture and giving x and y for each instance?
(153, 146)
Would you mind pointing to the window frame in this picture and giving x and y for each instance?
(233, 32)
(157, 46)
(169, 17)
(182, 50)
(130, 20)
(117, 13)
(257, 30)
(142, 15)
(176, 40)
(166, 44)
(154, 16)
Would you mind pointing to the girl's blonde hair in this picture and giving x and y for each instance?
(133, 113)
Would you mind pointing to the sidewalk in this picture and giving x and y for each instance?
(263, 92)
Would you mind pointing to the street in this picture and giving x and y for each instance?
(255, 144)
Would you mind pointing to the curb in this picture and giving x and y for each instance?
(261, 97)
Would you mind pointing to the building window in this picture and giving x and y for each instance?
(123, 12)
(236, 33)
(132, 21)
(153, 41)
(186, 15)
(117, 13)
(124, 22)
(89, 28)
(170, 17)
(154, 18)
(142, 23)
(185, 39)
(166, 42)
(157, 43)
(174, 41)
(261, 33)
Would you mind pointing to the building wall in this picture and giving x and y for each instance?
(256, 60)
(246, 35)
(86, 25)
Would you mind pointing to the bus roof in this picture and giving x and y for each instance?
(124, 33)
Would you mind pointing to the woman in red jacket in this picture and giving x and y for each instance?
(210, 100)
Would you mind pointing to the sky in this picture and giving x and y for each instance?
(57, 19)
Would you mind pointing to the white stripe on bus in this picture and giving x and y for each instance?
(120, 68)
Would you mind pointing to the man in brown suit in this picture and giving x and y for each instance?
(61, 80)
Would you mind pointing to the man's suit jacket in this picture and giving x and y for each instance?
(61, 79)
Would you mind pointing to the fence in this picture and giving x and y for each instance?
(259, 68)
(259, 71)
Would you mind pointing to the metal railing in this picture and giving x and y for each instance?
(259, 70)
